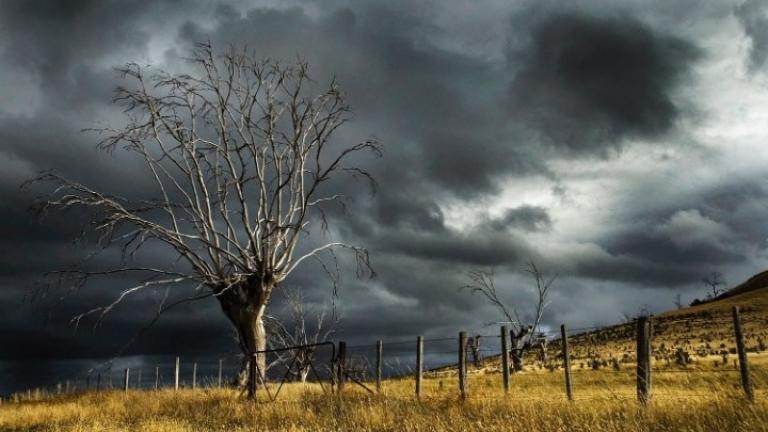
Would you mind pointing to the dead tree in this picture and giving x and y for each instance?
(298, 329)
(521, 333)
(240, 153)
(715, 283)
(678, 301)
(473, 343)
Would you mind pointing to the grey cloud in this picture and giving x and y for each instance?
(472, 249)
(689, 229)
(526, 217)
(402, 210)
(58, 41)
(673, 244)
(753, 16)
(586, 83)
(438, 107)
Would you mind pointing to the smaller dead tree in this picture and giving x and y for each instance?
(298, 330)
(473, 343)
(715, 284)
(522, 334)
(678, 301)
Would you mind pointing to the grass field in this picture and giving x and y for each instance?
(703, 395)
(604, 401)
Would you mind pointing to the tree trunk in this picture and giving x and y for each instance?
(519, 345)
(299, 374)
(303, 365)
(517, 359)
(245, 306)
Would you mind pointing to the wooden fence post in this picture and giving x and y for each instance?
(221, 368)
(504, 359)
(98, 381)
(643, 359)
(463, 364)
(379, 359)
(566, 363)
(138, 379)
(157, 377)
(194, 375)
(419, 364)
(342, 364)
(746, 382)
(252, 376)
(176, 374)
(126, 378)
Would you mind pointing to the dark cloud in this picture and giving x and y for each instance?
(526, 217)
(473, 248)
(401, 210)
(57, 42)
(753, 16)
(587, 83)
(674, 244)
(410, 86)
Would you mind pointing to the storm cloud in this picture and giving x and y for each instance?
(753, 16)
(588, 83)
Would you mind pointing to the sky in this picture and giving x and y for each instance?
(620, 145)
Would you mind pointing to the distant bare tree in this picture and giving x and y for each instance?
(679, 301)
(302, 327)
(715, 283)
(523, 335)
(240, 155)
(627, 317)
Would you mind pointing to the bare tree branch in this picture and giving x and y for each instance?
(524, 334)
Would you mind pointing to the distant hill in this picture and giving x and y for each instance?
(751, 295)
(756, 282)
(704, 331)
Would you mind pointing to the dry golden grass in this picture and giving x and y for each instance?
(682, 401)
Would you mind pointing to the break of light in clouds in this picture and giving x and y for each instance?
(622, 145)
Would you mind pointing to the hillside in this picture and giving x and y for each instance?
(756, 282)
(702, 334)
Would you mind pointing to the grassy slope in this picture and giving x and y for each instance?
(705, 331)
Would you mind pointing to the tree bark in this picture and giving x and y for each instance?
(245, 306)
(303, 365)
(518, 346)
(517, 359)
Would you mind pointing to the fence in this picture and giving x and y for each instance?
(436, 361)
(361, 360)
